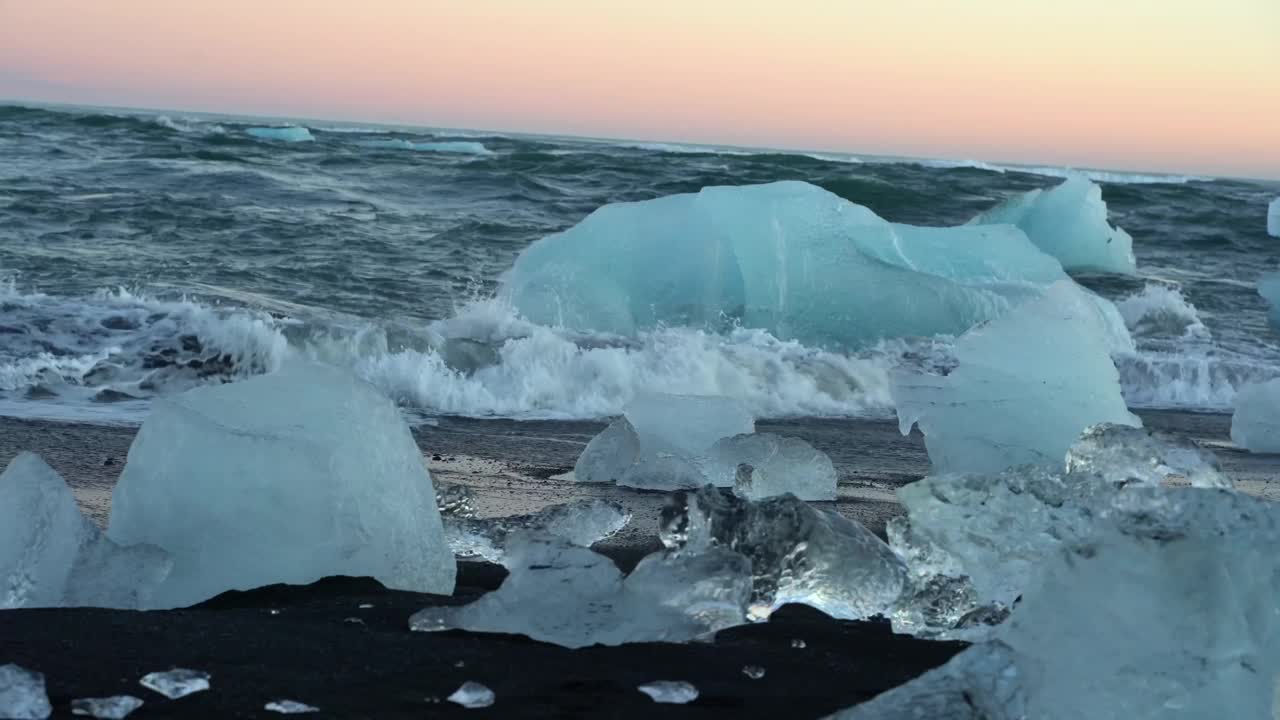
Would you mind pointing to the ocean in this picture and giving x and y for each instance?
(144, 253)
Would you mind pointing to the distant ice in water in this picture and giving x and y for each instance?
(1273, 218)
(292, 133)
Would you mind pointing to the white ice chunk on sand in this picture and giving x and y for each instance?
(582, 523)
(1255, 425)
(290, 707)
(1025, 387)
(52, 556)
(1124, 455)
(176, 683)
(1269, 289)
(1069, 222)
(282, 478)
(672, 692)
(472, 695)
(797, 553)
(116, 707)
(609, 455)
(22, 694)
(763, 465)
(574, 597)
(1273, 218)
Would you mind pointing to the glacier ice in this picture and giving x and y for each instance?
(761, 465)
(1269, 289)
(22, 694)
(291, 133)
(52, 556)
(472, 695)
(1273, 218)
(1124, 455)
(980, 683)
(797, 553)
(574, 597)
(582, 523)
(116, 707)
(786, 257)
(290, 707)
(282, 478)
(609, 455)
(1069, 222)
(672, 692)
(176, 683)
(1025, 386)
(1255, 424)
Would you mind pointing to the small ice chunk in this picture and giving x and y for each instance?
(282, 478)
(583, 523)
(799, 644)
(176, 683)
(22, 694)
(755, 672)
(1069, 222)
(1122, 455)
(1273, 218)
(981, 683)
(574, 597)
(676, 434)
(798, 553)
(290, 707)
(116, 707)
(454, 500)
(1255, 425)
(775, 465)
(672, 692)
(472, 695)
(1027, 384)
(609, 455)
(52, 556)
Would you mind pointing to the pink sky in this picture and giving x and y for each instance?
(1178, 85)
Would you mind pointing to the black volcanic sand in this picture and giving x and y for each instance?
(376, 668)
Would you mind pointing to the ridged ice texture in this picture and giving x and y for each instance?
(52, 556)
(1125, 455)
(798, 553)
(761, 465)
(1255, 425)
(571, 596)
(282, 478)
(787, 257)
(1069, 222)
(582, 523)
(1026, 385)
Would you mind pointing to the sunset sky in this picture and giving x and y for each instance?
(1179, 85)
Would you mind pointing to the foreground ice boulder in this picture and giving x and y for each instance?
(582, 523)
(282, 478)
(22, 694)
(1025, 387)
(1255, 425)
(1273, 218)
(574, 597)
(798, 553)
(52, 556)
(762, 465)
(1069, 222)
(787, 257)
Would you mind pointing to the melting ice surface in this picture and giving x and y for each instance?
(1255, 425)
(52, 556)
(22, 694)
(472, 695)
(1027, 384)
(582, 523)
(176, 683)
(284, 134)
(116, 707)
(282, 478)
(1070, 223)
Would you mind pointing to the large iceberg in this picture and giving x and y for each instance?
(52, 556)
(1025, 386)
(1255, 425)
(1069, 222)
(787, 257)
(282, 478)
(1273, 218)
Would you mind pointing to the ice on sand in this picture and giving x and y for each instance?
(1025, 387)
(762, 465)
(22, 694)
(672, 692)
(52, 556)
(282, 478)
(472, 695)
(797, 553)
(176, 683)
(1255, 425)
(574, 597)
(582, 523)
(290, 707)
(116, 707)
(1069, 222)
(609, 455)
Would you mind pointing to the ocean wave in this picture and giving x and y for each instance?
(188, 125)
(288, 133)
(1160, 311)
(443, 146)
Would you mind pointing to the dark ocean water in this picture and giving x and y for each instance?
(143, 253)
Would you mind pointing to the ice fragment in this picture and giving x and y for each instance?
(290, 707)
(1255, 425)
(673, 692)
(176, 683)
(22, 694)
(116, 707)
(583, 523)
(472, 695)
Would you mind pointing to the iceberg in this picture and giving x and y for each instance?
(787, 257)
(582, 523)
(1069, 222)
(1269, 289)
(290, 133)
(1025, 386)
(282, 478)
(574, 597)
(797, 553)
(22, 694)
(1273, 218)
(1255, 424)
(52, 556)
(762, 465)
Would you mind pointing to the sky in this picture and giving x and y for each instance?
(1159, 85)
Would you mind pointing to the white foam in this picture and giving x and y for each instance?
(1162, 311)
(445, 146)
